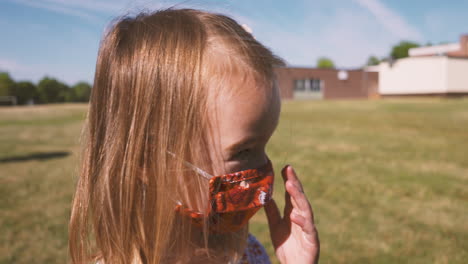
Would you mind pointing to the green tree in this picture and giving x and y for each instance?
(25, 91)
(70, 95)
(6, 84)
(81, 92)
(372, 61)
(52, 91)
(400, 50)
(325, 63)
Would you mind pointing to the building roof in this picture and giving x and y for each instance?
(434, 50)
(459, 49)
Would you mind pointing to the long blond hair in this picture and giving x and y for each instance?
(153, 75)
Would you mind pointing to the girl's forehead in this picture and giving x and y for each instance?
(243, 100)
(246, 110)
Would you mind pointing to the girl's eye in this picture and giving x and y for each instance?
(242, 154)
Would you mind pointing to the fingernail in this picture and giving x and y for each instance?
(285, 167)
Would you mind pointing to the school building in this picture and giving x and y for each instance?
(313, 83)
(440, 70)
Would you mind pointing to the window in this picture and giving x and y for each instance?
(299, 85)
(315, 85)
(308, 85)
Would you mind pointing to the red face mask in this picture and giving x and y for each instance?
(234, 198)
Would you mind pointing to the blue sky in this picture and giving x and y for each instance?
(60, 38)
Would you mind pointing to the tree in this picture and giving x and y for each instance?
(400, 50)
(372, 61)
(81, 92)
(70, 95)
(6, 84)
(25, 91)
(52, 91)
(325, 63)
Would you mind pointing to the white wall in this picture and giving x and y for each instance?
(424, 75)
(417, 75)
(457, 75)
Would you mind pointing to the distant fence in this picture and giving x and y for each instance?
(8, 100)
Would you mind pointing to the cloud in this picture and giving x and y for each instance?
(20, 71)
(347, 37)
(11, 65)
(94, 6)
(347, 32)
(61, 9)
(94, 10)
(391, 20)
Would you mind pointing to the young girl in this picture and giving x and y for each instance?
(174, 161)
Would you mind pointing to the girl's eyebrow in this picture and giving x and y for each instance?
(241, 143)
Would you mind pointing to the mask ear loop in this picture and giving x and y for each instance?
(199, 171)
(193, 167)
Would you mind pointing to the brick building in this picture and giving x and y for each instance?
(313, 83)
(439, 70)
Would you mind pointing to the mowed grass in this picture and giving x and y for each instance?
(388, 179)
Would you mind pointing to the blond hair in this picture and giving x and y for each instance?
(153, 76)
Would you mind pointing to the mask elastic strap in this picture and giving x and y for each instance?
(193, 167)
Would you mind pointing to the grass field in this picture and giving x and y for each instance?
(388, 179)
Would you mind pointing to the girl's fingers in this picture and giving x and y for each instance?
(299, 199)
(298, 219)
(295, 199)
(304, 222)
(292, 176)
(288, 206)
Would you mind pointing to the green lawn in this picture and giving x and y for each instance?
(388, 179)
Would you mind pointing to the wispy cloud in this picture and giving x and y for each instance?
(346, 31)
(347, 37)
(391, 20)
(20, 71)
(11, 65)
(95, 6)
(61, 9)
(93, 10)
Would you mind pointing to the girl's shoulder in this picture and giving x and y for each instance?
(254, 253)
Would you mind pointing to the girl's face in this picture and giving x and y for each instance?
(243, 119)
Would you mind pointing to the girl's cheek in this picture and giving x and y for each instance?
(234, 166)
(255, 160)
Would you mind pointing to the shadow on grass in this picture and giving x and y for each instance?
(36, 156)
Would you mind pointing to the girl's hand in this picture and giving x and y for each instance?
(294, 236)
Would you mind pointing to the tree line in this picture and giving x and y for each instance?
(398, 51)
(48, 90)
